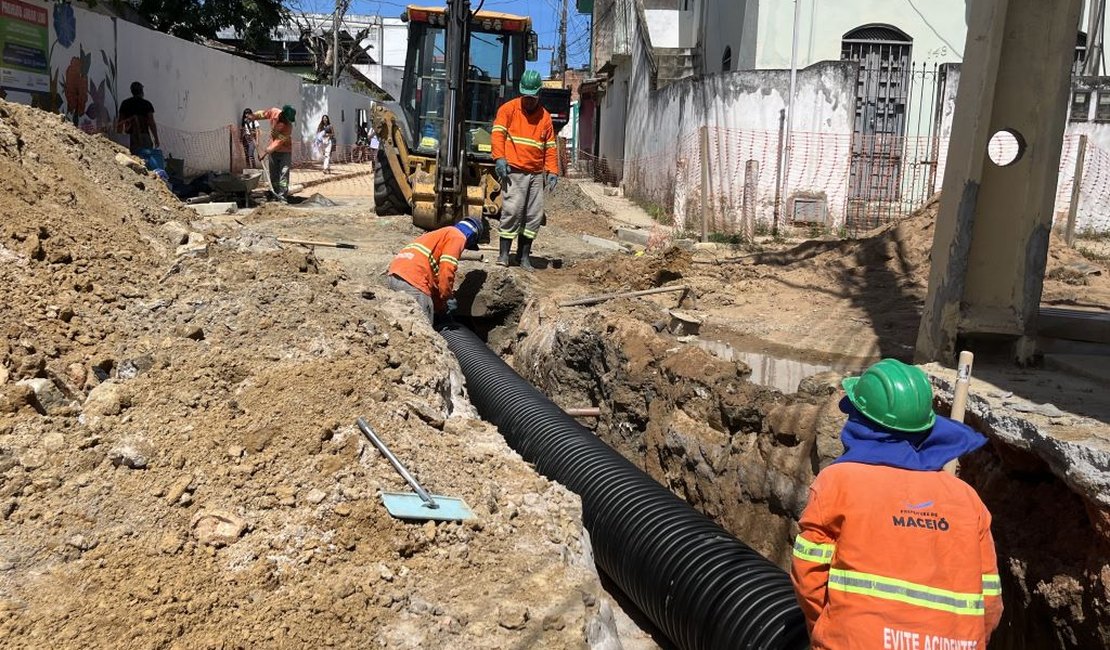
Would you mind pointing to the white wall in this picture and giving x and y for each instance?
(722, 26)
(937, 27)
(339, 104)
(195, 88)
(198, 93)
(664, 26)
(662, 152)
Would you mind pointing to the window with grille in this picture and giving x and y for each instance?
(1080, 106)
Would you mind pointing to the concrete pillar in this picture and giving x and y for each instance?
(991, 240)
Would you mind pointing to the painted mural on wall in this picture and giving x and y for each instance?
(83, 69)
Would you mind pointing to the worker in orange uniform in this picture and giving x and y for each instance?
(526, 159)
(280, 149)
(894, 552)
(425, 269)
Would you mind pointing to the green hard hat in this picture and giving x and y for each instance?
(893, 394)
(530, 83)
(289, 113)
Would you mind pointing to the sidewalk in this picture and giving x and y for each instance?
(346, 179)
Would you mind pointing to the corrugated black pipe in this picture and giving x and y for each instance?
(701, 587)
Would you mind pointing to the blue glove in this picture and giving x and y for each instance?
(502, 168)
(552, 181)
(452, 306)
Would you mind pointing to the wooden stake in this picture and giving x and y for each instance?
(593, 412)
(328, 244)
(593, 300)
(959, 400)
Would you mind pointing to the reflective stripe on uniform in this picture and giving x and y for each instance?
(868, 584)
(528, 142)
(552, 145)
(498, 127)
(428, 253)
(992, 585)
(507, 234)
(529, 234)
(448, 259)
(810, 552)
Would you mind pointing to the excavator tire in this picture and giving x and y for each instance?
(388, 198)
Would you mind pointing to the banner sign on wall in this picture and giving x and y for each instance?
(24, 61)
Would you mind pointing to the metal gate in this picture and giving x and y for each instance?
(883, 54)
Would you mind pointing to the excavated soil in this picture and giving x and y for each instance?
(180, 466)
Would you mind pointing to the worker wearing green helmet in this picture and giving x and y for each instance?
(526, 158)
(889, 542)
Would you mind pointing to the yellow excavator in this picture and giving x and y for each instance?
(435, 157)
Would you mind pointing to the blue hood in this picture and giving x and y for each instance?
(869, 443)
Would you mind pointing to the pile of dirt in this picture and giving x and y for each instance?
(569, 208)
(631, 272)
(898, 255)
(178, 461)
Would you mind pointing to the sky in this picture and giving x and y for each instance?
(544, 13)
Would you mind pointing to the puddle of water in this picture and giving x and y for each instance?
(774, 372)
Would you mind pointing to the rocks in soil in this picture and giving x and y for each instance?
(217, 528)
(109, 398)
(48, 398)
(132, 454)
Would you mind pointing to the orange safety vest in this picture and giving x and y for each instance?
(281, 133)
(526, 140)
(896, 559)
(430, 263)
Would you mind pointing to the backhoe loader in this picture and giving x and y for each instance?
(435, 157)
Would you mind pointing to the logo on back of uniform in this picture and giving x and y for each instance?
(920, 515)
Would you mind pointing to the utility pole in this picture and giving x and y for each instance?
(563, 45)
(1096, 23)
(335, 42)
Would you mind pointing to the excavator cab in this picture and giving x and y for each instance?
(436, 155)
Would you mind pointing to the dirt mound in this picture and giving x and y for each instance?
(899, 254)
(568, 207)
(635, 272)
(178, 461)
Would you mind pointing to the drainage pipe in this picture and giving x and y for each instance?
(701, 586)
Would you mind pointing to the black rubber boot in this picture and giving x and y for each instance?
(524, 249)
(506, 248)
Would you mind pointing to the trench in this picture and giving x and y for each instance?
(740, 435)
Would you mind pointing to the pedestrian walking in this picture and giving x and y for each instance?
(375, 144)
(326, 136)
(280, 149)
(893, 551)
(248, 135)
(425, 269)
(526, 159)
(136, 118)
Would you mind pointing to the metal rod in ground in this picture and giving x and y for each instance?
(306, 242)
(369, 433)
(593, 412)
(593, 300)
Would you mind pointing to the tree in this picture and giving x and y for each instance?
(316, 35)
(193, 20)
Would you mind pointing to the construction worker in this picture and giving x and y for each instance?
(894, 552)
(425, 269)
(524, 150)
(280, 148)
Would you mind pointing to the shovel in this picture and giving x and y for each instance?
(420, 506)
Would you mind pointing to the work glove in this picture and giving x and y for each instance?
(452, 306)
(502, 168)
(552, 181)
